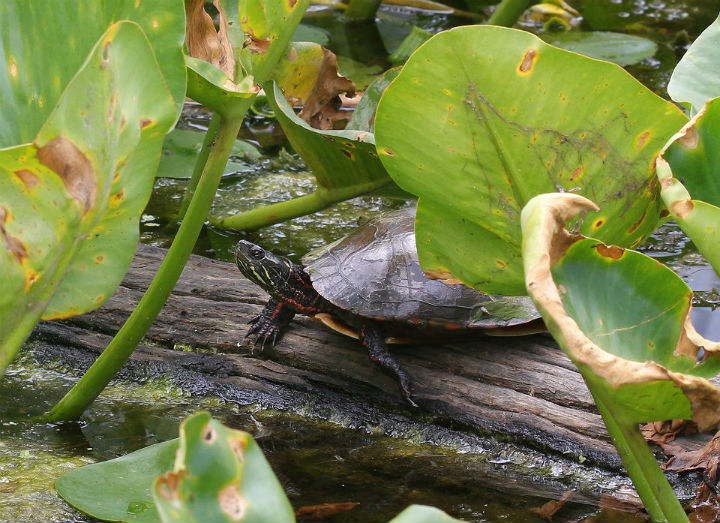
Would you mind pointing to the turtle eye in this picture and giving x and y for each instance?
(257, 253)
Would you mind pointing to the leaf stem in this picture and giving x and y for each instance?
(200, 163)
(508, 11)
(650, 482)
(309, 203)
(121, 347)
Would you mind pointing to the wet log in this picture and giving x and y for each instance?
(523, 388)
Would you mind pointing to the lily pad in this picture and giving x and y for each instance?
(33, 35)
(70, 202)
(644, 359)
(119, 489)
(492, 117)
(182, 146)
(696, 78)
(620, 48)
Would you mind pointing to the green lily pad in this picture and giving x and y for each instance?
(43, 44)
(620, 48)
(70, 201)
(688, 172)
(220, 475)
(182, 146)
(119, 489)
(644, 357)
(696, 78)
(492, 117)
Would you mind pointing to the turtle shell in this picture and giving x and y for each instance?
(375, 272)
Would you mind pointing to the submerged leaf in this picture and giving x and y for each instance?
(644, 357)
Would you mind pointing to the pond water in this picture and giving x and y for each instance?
(317, 462)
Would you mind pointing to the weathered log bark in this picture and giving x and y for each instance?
(523, 388)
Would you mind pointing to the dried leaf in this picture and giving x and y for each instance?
(663, 434)
(322, 106)
(204, 42)
(549, 509)
(706, 459)
(324, 510)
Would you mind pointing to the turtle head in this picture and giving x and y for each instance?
(273, 273)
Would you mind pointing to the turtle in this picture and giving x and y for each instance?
(369, 285)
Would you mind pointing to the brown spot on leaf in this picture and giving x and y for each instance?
(209, 435)
(349, 154)
(145, 122)
(12, 244)
(231, 502)
(257, 45)
(642, 139)
(682, 208)
(13, 70)
(664, 213)
(292, 3)
(28, 178)
(444, 276)
(238, 447)
(99, 258)
(500, 264)
(388, 152)
(73, 167)
(204, 42)
(324, 510)
(635, 225)
(689, 138)
(577, 173)
(598, 223)
(168, 485)
(528, 61)
(610, 251)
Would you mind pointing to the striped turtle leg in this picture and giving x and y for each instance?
(372, 339)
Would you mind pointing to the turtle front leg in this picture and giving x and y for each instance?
(270, 323)
(373, 340)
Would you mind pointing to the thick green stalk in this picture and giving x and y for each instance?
(199, 164)
(508, 11)
(651, 484)
(281, 211)
(132, 332)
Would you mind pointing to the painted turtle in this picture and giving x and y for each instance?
(369, 285)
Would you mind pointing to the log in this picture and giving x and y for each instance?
(521, 388)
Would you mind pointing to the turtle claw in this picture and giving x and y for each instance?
(268, 325)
